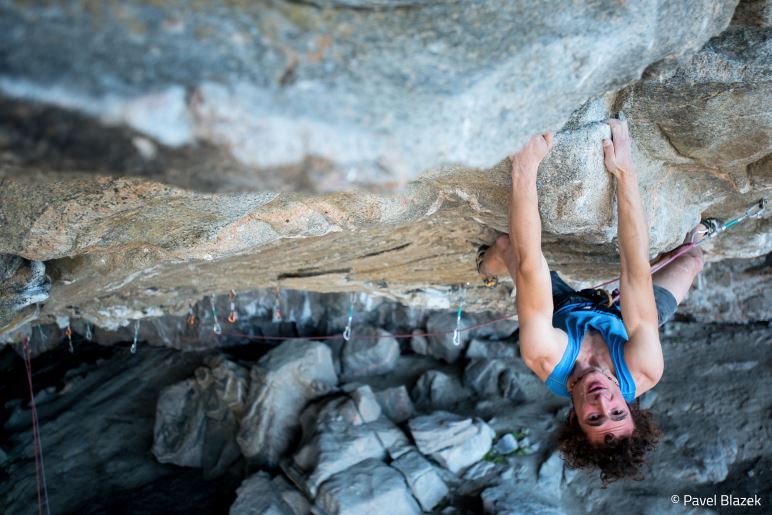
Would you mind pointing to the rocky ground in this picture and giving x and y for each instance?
(374, 425)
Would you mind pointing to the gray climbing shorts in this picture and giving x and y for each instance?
(563, 294)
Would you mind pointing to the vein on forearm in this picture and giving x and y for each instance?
(633, 231)
(524, 221)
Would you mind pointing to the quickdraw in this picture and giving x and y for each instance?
(68, 333)
(714, 227)
(190, 320)
(232, 316)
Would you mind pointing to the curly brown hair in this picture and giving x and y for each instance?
(618, 458)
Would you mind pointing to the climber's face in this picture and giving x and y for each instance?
(601, 409)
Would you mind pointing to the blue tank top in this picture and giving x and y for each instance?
(575, 320)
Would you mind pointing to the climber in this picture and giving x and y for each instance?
(582, 348)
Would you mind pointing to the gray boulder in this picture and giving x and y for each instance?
(504, 499)
(336, 444)
(197, 420)
(367, 487)
(709, 462)
(491, 349)
(492, 378)
(453, 441)
(358, 406)
(441, 346)
(261, 495)
(395, 403)
(438, 390)
(425, 483)
(369, 356)
(282, 383)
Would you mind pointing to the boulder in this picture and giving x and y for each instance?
(259, 495)
(358, 406)
(395, 403)
(197, 420)
(438, 390)
(370, 351)
(282, 383)
(335, 445)
(453, 441)
(503, 499)
(492, 378)
(370, 486)
(441, 346)
(490, 349)
(425, 483)
(735, 291)
(709, 462)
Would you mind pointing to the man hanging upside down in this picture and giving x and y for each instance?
(601, 358)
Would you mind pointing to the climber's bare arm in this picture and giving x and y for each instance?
(541, 345)
(639, 311)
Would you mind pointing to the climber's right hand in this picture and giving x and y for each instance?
(617, 151)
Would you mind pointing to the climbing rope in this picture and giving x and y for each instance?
(37, 447)
(714, 228)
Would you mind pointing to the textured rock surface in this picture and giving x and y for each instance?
(438, 390)
(259, 494)
(337, 445)
(370, 351)
(293, 80)
(452, 440)
(367, 487)
(395, 403)
(365, 86)
(425, 483)
(281, 384)
(505, 500)
(97, 405)
(96, 420)
(492, 377)
(22, 284)
(197, 420)
(734, 291)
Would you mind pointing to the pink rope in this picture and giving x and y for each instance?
(40, 471)
(678, 252)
